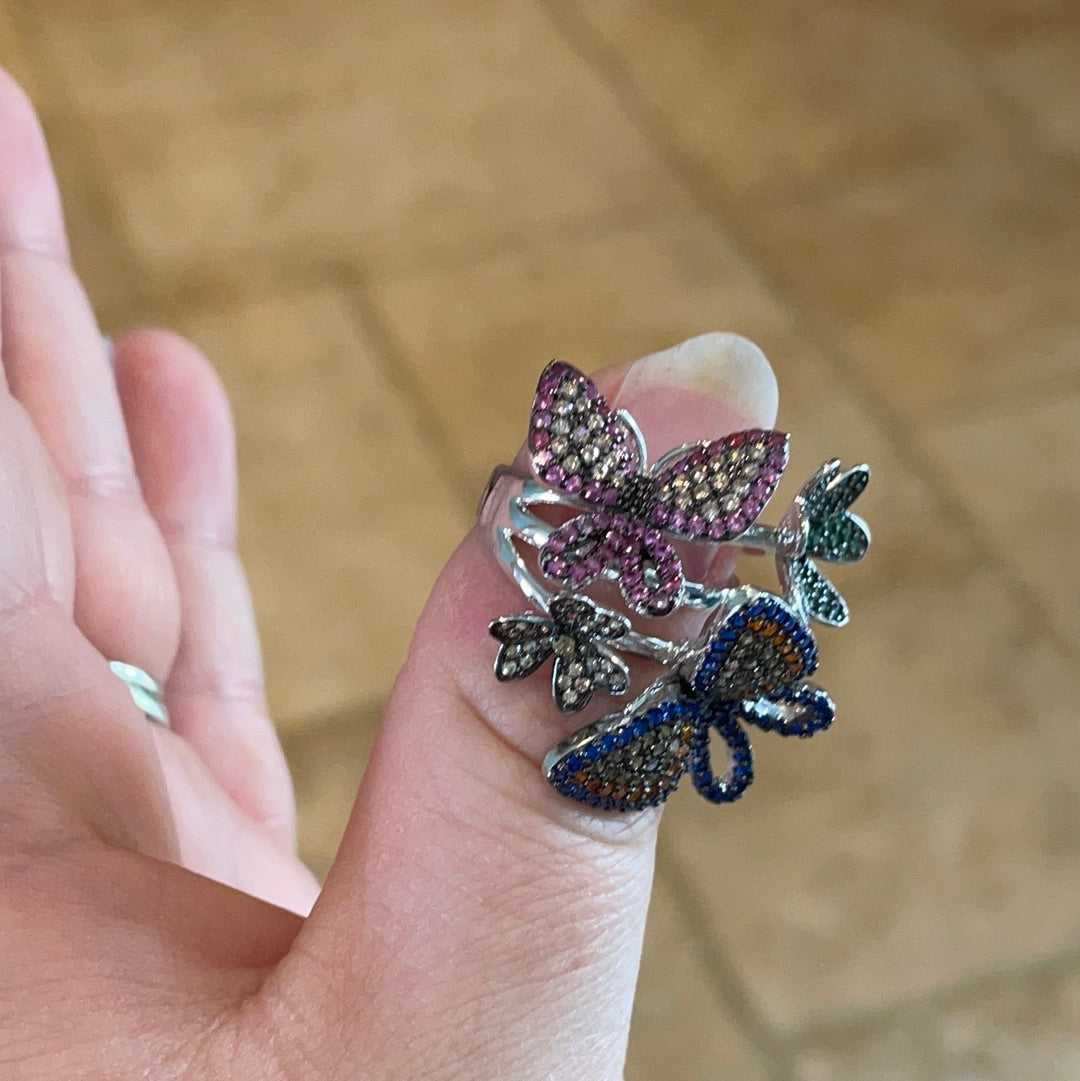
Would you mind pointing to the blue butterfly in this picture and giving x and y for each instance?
(751, 670)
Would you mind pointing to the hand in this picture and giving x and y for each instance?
(475, 924)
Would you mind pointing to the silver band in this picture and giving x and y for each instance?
(145, 691)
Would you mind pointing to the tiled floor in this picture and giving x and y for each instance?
(382, 219)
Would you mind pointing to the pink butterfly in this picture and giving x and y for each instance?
(710, 491)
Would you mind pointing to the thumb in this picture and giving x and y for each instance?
(472, 908)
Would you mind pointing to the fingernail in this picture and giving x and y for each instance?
(726, 369)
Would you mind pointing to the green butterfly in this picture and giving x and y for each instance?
(821, 527)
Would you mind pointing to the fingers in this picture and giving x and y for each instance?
(181, 435)
(125, 594)
(468, 897)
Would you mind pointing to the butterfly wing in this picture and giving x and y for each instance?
(582, 663)
(649, 570)
(738, 774)
(758, 648)
(526, 644)
(576, 442)
(820, 599)
(799, 710)
(716, 490)
(631, 760)
(833, 532)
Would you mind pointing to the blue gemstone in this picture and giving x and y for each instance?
(572, 764)
(607, 743)
(590, 753)
(640, 728)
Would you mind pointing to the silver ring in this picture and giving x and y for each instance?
(592, 512)
(145, 691)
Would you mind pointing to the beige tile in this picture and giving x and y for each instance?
(506, 134)
(681, 1027)
(1017, 475)
(1023, 1029)
(340, 563)
(921, 840)
(327, 758)
(773, 97)
(477, 338)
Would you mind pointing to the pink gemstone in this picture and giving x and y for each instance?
(556, 544)
(591, 392)
(776, 459)
(541, 420)
(659, 515)
(578, 574)
(570, 532)
(737, 524)
(759, 489)
(669, 566)
(555, 475)
(635, 528)
(754, 435)
(610, 497)
(717, 529)
(542, 459)
(592, 492)
(638, 595)
(602, 520)
(544, 400)
(696, 526)
(672, 586)
(696, 457)
(736, 440)
(539, 439)
(592, 566)
(677, 520)
(555, 567)
(573, 483)
(653, 537)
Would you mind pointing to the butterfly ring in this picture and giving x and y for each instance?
(590, 511)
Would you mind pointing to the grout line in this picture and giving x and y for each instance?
(393, 361)
(1047, 392)
(727, 983)
(906, 1011)
(698, 181)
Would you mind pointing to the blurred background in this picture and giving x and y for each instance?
(381, 220)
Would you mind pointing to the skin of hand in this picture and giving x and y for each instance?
(155, 920)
